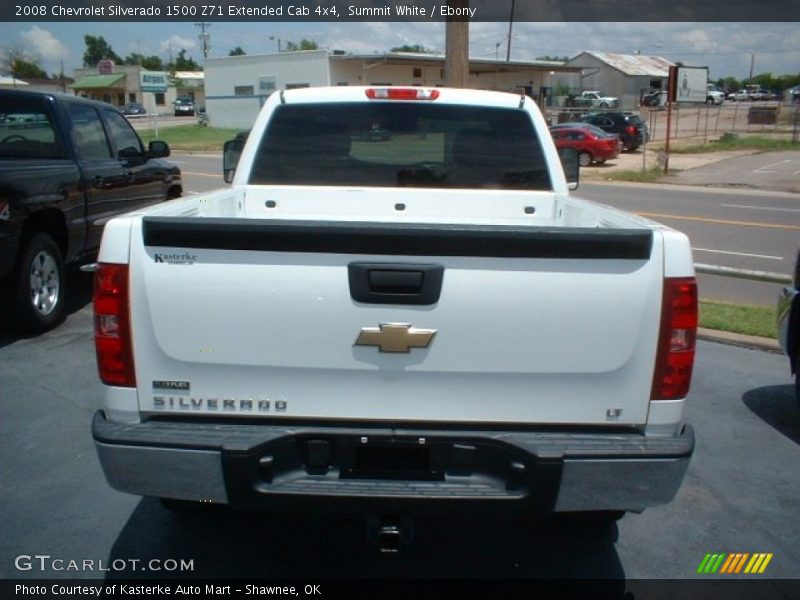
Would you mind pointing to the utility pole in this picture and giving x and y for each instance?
(456, 60)
(204, 37)
(752, 63)
(510, 25)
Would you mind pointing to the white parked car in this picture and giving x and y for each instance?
(714, 95)
(740, 96)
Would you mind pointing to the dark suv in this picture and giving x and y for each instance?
(184, 106)
(631, 129)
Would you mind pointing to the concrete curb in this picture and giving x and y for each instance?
(737, 339)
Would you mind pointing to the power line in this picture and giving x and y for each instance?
(204, 37)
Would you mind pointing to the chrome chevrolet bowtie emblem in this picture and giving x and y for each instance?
(395, 337)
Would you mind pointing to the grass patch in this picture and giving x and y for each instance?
(738, 318)
(647, 176)
(753, 142)
(191, 138)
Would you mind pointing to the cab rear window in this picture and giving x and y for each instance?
(26, 130)
(391, 144)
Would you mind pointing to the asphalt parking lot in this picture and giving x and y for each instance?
(741, 494)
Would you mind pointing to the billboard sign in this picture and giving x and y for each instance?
(105, 66)
(153, 81)
(690, 84)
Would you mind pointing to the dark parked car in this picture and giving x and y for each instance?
(591, 143)
(67, 165)
(789, 325)
(134, 109)
(630, 128)
(184, 106)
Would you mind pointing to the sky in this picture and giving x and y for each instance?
(726, 48)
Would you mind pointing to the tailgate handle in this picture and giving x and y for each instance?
(383, 281)
(394, 283)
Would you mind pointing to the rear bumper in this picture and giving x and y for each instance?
(282, 467)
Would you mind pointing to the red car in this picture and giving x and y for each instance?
(592, 143)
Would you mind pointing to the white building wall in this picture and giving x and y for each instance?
(365, 72)
(237, 86)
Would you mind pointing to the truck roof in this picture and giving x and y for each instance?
(55, 96)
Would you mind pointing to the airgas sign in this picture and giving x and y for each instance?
(153, 81)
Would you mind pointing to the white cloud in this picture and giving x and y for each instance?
(178, 43)
(43, 44)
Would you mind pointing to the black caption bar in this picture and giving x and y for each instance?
(333, 11)
(596, 589)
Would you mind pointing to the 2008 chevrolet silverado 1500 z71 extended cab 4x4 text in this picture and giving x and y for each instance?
(419, 322)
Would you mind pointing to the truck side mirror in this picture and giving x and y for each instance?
(231, 153)
(158, 149)
(571, 166)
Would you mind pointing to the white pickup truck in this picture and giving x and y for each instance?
(418, 321)
(599, 99)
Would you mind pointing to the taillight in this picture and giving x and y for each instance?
(631, 129)
(112, 328)
(676, 339)
(414, 93)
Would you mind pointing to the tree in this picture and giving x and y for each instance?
(24, 69)
(238, 51)
(553, 58)
(10, 54)
(184, 63)
(151, 63)
(304, 44)
(97, 49)
(729, 83)
(416, 48)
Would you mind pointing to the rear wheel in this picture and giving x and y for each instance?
(39, 285)
(584, 159)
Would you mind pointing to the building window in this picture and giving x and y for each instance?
(342, 84)
(655, 84)
(294, 86)
(160, 101)
(121, 99)
(243, 90)
(266, 85)
(417, 72)
(131, 97)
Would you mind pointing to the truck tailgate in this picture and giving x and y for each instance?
(260, 318)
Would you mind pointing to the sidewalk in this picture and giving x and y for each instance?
(745, 169)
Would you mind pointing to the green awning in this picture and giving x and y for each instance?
(93, 82)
